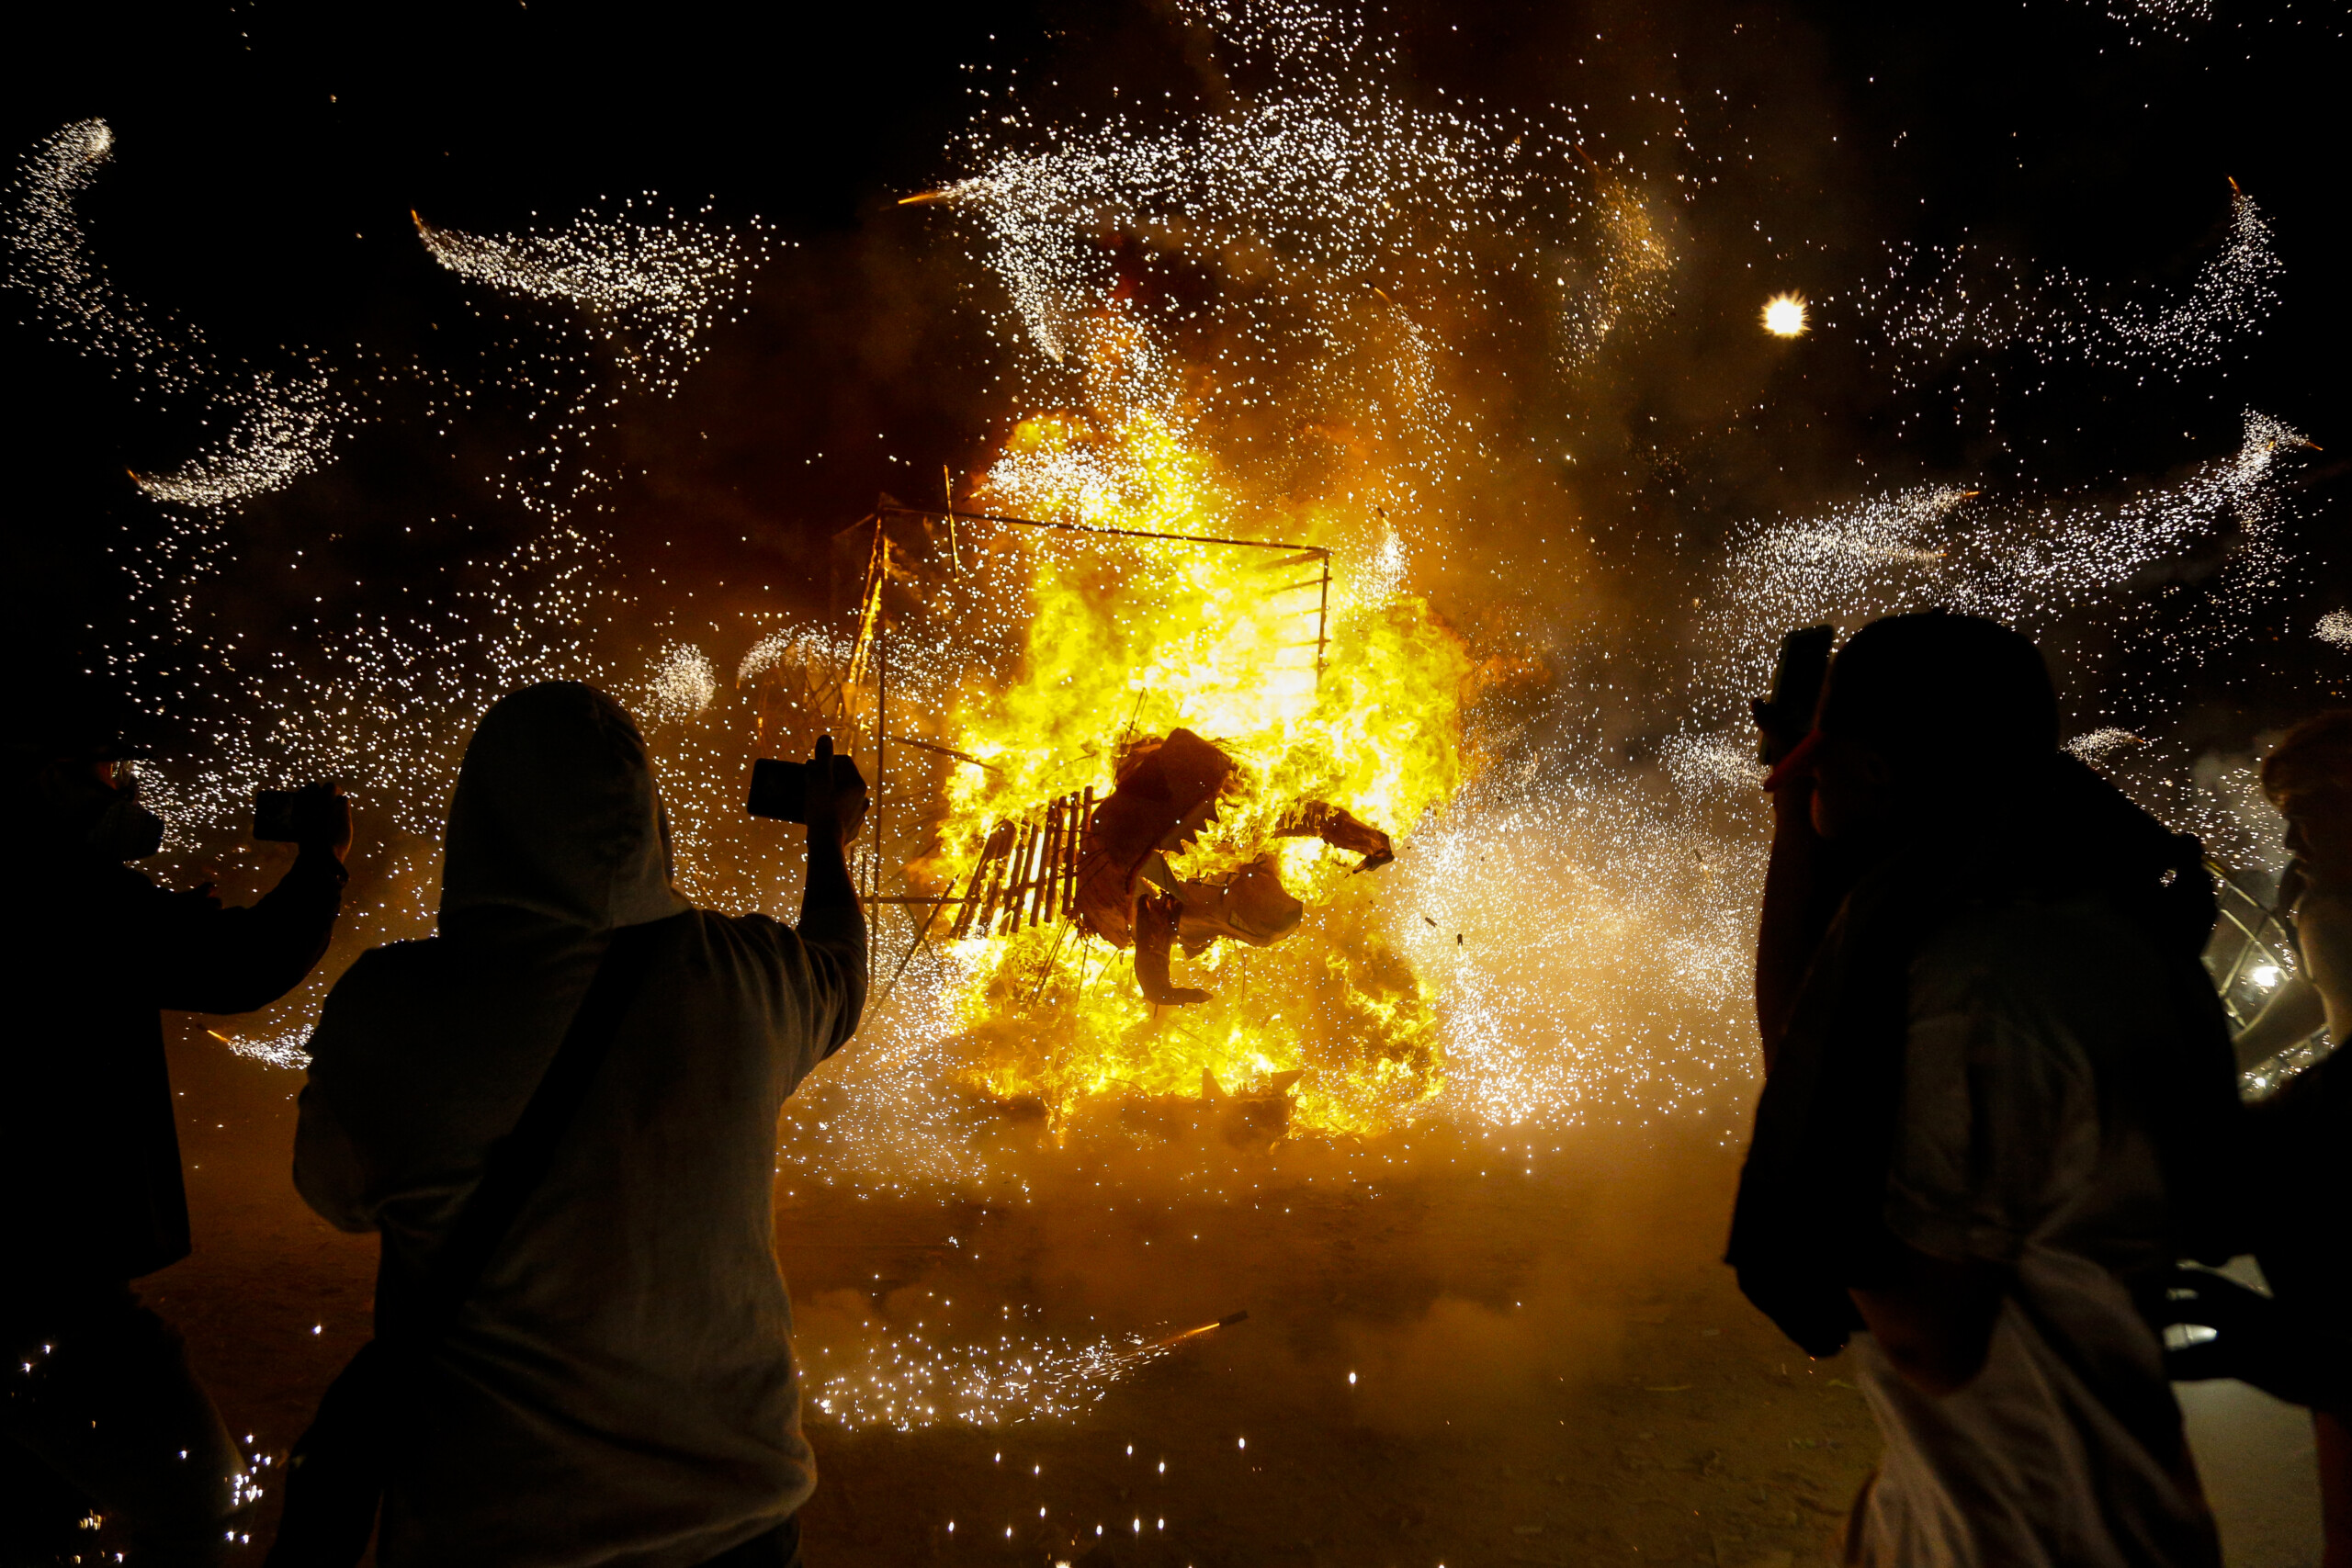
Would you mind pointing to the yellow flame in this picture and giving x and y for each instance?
(1130, 638)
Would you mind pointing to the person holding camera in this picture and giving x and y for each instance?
(559, 1114)
(101, 1416)
(1998, 1103)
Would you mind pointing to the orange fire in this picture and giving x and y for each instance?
(1349, 692)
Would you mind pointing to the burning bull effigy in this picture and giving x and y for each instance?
(1105, 867)
(1126, 894)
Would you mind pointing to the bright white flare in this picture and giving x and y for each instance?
(1785, 315)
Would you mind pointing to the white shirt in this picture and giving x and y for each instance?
(620, 1388)
(2024, 1142)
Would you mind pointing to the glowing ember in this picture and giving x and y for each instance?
(1785, 315)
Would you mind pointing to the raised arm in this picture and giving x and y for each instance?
(208, 959)
(832, 919)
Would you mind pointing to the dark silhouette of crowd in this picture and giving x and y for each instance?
(2000, 1158)
(558, 1115)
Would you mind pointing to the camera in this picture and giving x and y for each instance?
(1797, 679)
(780, 790)
(296, 816)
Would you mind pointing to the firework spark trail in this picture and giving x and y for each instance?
(2098, 745)
(905, 1378)
(386, 705)
(49, 258)
(1939, 301)
(383, 702)
(2023, 561)
(656, 284)
(684, 683)
(627, 303)
(283, 424)
(1592, 946)
(284, 428)
(2044, 566)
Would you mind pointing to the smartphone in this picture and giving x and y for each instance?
(292, 815)
(1798, 676)
(780, 790)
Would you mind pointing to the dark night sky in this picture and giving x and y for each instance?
(267, 157)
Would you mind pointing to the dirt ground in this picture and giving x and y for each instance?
(1479, 1359)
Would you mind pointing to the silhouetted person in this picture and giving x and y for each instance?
(1999, 1104)
(2299, 1196)
(99, 1413)
(619, 1386)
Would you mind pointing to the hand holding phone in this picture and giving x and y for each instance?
(317, 816)
(783, 792)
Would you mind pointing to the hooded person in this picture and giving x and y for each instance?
(1999, 1104)
(618, 1386)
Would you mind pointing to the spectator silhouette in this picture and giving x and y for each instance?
(101, 1415)
(2297, 1342)
(1999, 1106)
(617, 1385)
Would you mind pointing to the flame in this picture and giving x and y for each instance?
(1343, 691)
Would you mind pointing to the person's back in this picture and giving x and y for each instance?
(619, 1386)
(1991, 1113)
(2027, 1143)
